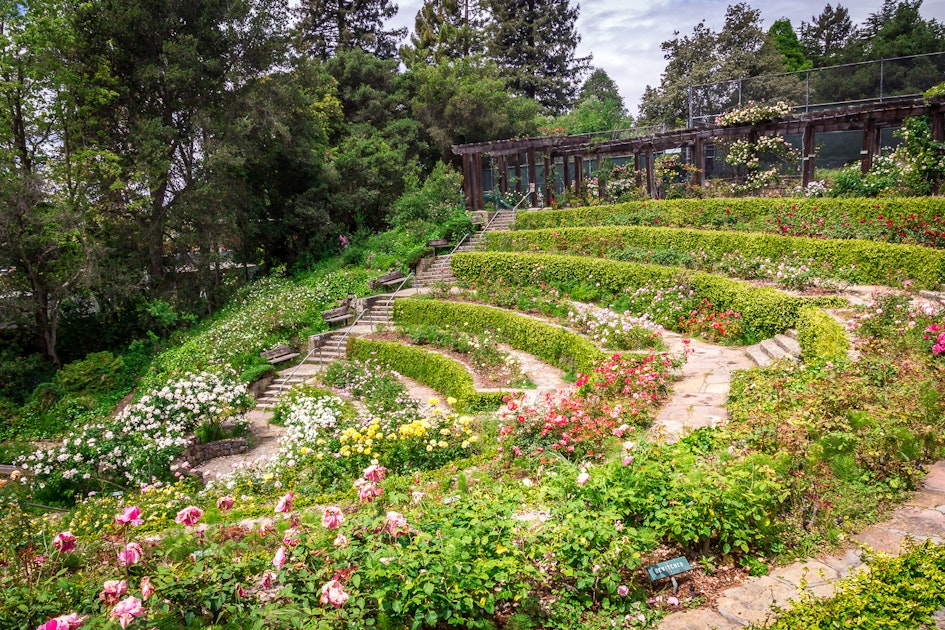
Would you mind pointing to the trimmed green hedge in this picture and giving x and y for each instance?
(763, 310)
(911, 220)
(434, 370)
(876, 262)
(554, 344)
(821, 336)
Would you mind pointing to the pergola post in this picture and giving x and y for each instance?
(549, 178)
(566, 174)
(638, 167)
(870, 140)
(600, 176)
(698, 155)
(480, 194)
(518, 173)
(650, 172)
(809, 160)
(468, 182)
(503, 174)
(532, 178)
(578, 174)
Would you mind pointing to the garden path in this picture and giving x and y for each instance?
(920, 518)
(266, 439)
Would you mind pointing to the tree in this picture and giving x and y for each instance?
(327, 26)
(825, 37)
(466, 101)
(534, 42)
(789, 46)
(177, 69)
(710, 62)
(50, 175)
(599, 108)
(445, 29)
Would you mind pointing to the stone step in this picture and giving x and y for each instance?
(788, 344)
(756, 354)
(772, 349)
(791, 332)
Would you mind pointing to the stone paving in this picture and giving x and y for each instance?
(921, 518)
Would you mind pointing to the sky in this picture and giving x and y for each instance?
(624, 36)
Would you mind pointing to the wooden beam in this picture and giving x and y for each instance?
(568, 182)
(870, 139)
(468, 182)
(518, 173)
(600, 176)
(698, 158)
(503, 164)
(578, 174)
(549, 178)
(638, 167)
(650, 173)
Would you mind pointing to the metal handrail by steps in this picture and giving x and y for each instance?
(486, 227)
(340, 341)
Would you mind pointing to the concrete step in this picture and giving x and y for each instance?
(756, 354)
(772, 349)
(791, 332)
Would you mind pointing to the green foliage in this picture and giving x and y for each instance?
(763, 311)
(873, 262)
(430, 368)
(915, 220)
(95, 374)
(903, 591)
(437, 199)
(551, 343)
(822, 338)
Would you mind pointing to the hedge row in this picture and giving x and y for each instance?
(434, 370)
(764, 311)
(553, 344)
(876, 262)
(918, 220)
(821, 336)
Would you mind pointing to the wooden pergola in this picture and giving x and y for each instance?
(509, 156)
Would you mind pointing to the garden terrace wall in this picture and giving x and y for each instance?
(875, 262)
(763, 310)
(919, 220)
(434, 370)
(551, 343)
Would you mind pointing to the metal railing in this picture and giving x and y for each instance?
(341, 341)
(877, 81)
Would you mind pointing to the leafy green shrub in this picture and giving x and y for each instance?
(430, 368)
(763, 311)
(96, 373)
(822, 338)
(902, 591)
(874, 262)
(554, 344)
(916, 220)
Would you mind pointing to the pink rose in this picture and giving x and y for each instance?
(189, 516)
(285, 503)
(626, 461)
(64, 622)
(64, 541)
(127, 610)
(375, 473)
(279, 560)
(396, 524)
(267, 579)
(131, 516)
(583, 478)
(147, 589)
(131, 554)
(291, 537)
(225, 503)
(623, 590)
(332, 517)
(367, 490)
(334, 594)
(112, 590)
(341, 541)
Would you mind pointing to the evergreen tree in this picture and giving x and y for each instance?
(789, 46)
(445, 29)
(824, 38)
(327, 26)
(533, 42)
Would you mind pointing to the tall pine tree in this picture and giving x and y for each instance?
(534, 43)
(445, 29)
(327, 26)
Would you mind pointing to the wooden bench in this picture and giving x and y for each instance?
(279, 354)
(391, 278)
(336, 315)
(438, 243)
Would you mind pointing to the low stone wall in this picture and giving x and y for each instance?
(196, 454)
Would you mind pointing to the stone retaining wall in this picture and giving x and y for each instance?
(196, 454)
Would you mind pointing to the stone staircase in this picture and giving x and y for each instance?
(778, 347)
(441, 271)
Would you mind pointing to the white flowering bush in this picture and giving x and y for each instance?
(617, 331)
(753, 112)
(138, 445)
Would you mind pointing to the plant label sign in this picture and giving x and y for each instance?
(668, 568)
